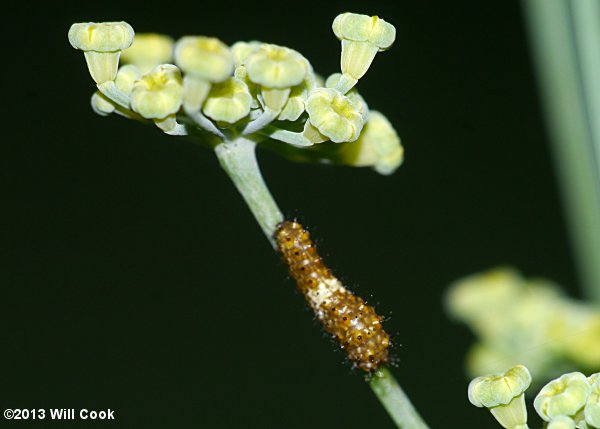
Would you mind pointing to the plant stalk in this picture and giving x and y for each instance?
(238, 159)
(565, 35)
(395, 401)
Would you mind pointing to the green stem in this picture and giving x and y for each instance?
(238, 159)
(564, 37)
(395, 401)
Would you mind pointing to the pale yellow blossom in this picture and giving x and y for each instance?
(102, 44)
(335, 116)
(503, 395)
(149, 50)
(564, 396)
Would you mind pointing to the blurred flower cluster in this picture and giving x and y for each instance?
(525, 320)
(199, 87)
(567, 402)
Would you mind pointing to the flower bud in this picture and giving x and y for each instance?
(101, 105)
(581, 340)
(149, 50)
(471, 298)
(126, 78)
(241, 50)
(312, 135)
(503, 395)
(362, 37)
(294, 106)
(228, 101)
(364, 28)
(205, 58)
(334, 115)
(378, 146)
(275, 66)
(592, 406)
(242, 73)
(102, 44)
(334, 80)
(195, 92)
(159, 93)
(565, 396)
(101, 37)
(296, 103)
(561, 422)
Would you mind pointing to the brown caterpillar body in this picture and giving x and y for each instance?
(344, 315)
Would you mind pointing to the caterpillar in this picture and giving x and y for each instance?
(345, 316)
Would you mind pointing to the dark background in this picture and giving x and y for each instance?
(136, 279)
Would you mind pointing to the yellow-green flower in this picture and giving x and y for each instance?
(580, 336)
(274, 99)
(242, 74)
(275, 66)
(101, 105)
(149, 50)
(228, 101)
(102, 44)
(335, 116)
(473, 297)
(378, 146)
(503, 395)
(499, 389)
(526, 320)
(296, 103)
(126, 78)
(362, 37)
(364, 28)
(312, 135)
(294, 106)
(276, 69)
(205, 58)
(101, 36)
(159, 93)
(241, 50)
(251, 89)
(565, 396)
(333, 81)
(592, 406)
(561, 422)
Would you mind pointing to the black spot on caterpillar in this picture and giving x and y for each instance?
(354, 324)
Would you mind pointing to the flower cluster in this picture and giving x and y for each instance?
(528, 321)
(264, 92)
(568, 402)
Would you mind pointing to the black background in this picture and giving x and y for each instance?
(136, 279)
